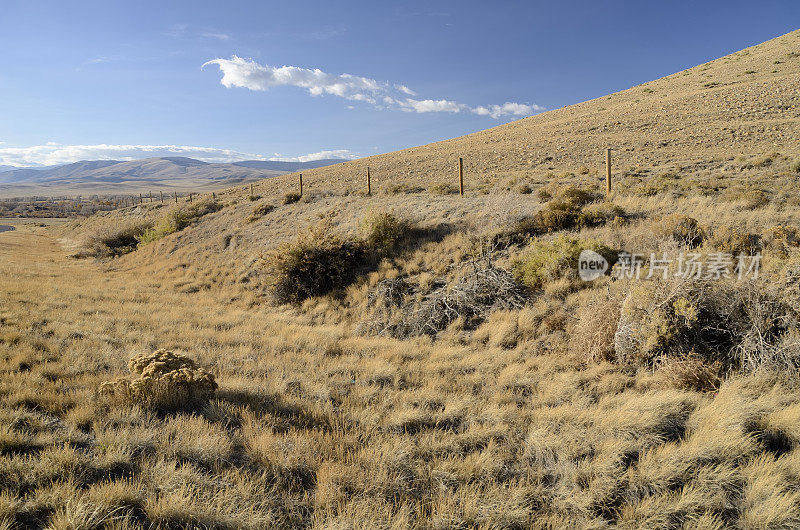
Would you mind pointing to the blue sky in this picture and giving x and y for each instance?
(86, 80)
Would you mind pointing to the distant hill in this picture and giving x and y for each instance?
(140, 176)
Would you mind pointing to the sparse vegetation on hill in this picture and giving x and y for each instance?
(453, 372)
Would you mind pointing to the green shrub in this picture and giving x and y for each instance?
(253, 198)
(291, 198)
(544, 195)
(178, 219)
(547, 261)
(384, 231)
(682, 228)
(318, 262)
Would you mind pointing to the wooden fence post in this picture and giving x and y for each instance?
(251, 189)
(369, 183)
(149, 197)
(140, 198)
(608, 172)
(461, 176)
(176, 197)
(161, 194)
(190, 197)
(301, 184)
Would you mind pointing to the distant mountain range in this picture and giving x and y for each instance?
(165, 174)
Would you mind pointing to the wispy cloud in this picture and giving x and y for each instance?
(318, 34)
(246, 73)
(344, 154)
(51, 154)
(184, 31)
(215, 35)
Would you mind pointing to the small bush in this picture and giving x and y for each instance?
(524, 189)
(402, 188)
(291, 198)
(583, 170)
(253, 198)
(682, 228)
(575, 196)
(165, 382)
(740, 326)
(178, 219)
(599, 213)
(760, 161)
(318, 262)
(117, 241)
(795, 166)
(752, 199)
(781, 238)
(384, 231)
(544, 195)
(551, 260)
(260, 211)
(443, 188)
(734, 241)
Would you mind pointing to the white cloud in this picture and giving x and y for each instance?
(238, 72)
(52, 154)
(246, 73)
(507, 109)
(405, 90)
(345, 154)
(430, 105)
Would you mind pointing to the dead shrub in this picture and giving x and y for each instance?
(482, 288)
(165, 381)
(681, 228)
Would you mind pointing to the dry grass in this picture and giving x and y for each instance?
(520, 418)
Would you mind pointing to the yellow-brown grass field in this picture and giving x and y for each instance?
(417, 359)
